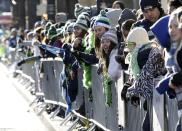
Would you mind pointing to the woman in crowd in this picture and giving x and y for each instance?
(145, 65)
(111, 70)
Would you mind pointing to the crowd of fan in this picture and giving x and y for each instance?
(146, 44)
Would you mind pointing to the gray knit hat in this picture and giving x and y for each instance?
(79, 9)
(125, 15)
(113, 15)
(82, 23)
(102, 20)
(86, 16)
(110, 35)
(61, 17)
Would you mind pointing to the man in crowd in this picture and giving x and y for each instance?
(152, 11)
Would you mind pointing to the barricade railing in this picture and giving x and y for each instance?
(164, 110)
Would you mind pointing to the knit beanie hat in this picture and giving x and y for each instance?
(102, 20)
(82, 23)
(160, 30)
(125, 15)
(110, 35)
(144, 4)
(70, 27)
(79, 9)
(86, 16)
(113, 15)
(51, 32)
(60, 31)
(61, 17)
(138, 35)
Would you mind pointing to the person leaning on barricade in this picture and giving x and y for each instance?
(111, 70)
(172, 83)
(173, 40)
(146, 64)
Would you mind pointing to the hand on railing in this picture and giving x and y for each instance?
(124, 91)
(135, 100)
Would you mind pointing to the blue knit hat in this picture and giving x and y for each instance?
(102, 20)
(160, 30)
(145, 4)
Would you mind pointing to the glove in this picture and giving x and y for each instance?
(75, 53)
(21, 62)
(99, 70)
(177, 79)
(124, 91)
(171, 93)
(121, 60)
(135, 100)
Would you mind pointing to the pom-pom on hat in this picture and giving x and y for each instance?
(102, 20)
(79, 9)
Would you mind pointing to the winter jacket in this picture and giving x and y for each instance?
(145, 82)
(114, 68)
(70, 85)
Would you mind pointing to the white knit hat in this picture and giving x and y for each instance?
(138, 35)
(110, 35)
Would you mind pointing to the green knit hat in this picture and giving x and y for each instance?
(51, 32)
(102, 20)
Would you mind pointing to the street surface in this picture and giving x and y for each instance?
(14, 114)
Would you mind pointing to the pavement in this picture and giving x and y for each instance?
(15, 112)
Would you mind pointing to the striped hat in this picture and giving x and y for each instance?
(79, 9)
(110, 35)
(102, 20)
(82, 23)
(86, 16)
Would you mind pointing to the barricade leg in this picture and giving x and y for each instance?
(55, 112)
(92, 128)
(74, 124)
(66, 119)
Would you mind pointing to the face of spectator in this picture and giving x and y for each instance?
(174, 31)
(77, 31)
(124, 33)
(151, 14)
(116, 6)
(105, 44)
(99, 31)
